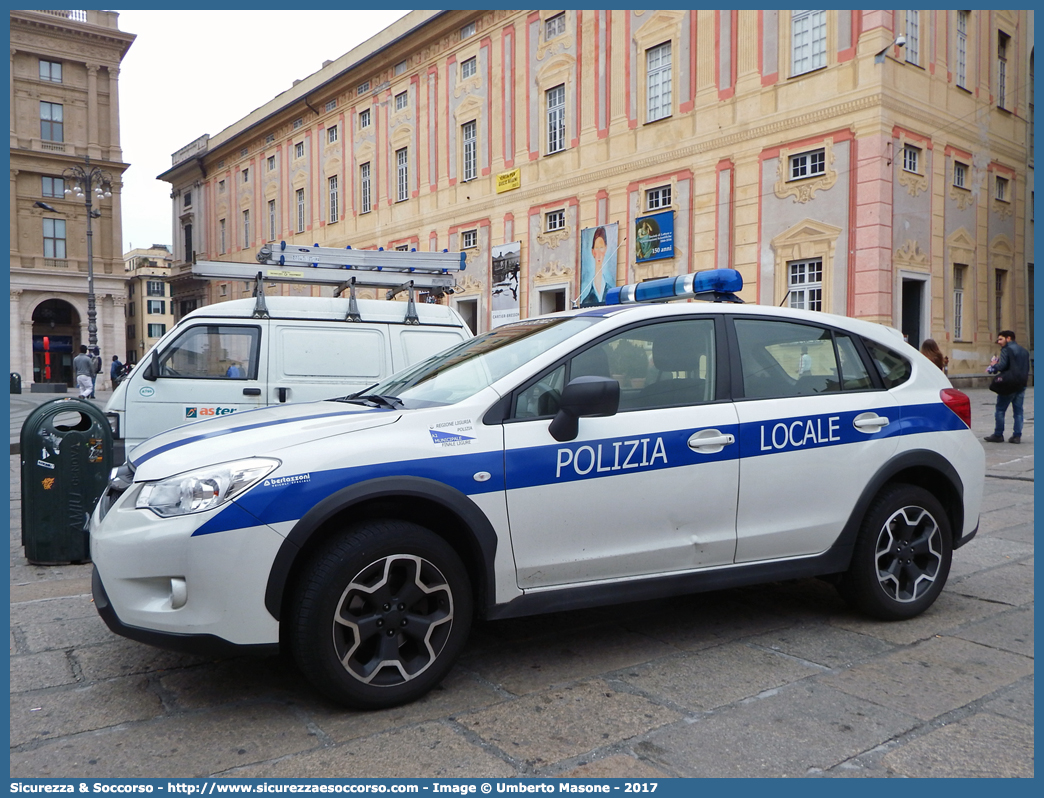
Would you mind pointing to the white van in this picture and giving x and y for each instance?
(224, 359)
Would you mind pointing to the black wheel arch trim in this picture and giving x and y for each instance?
(472, 519)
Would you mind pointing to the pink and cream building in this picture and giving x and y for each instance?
(834, 168)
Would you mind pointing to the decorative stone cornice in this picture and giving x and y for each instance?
(910, 254)
(554, 272)
(961, 196)
(467, 285)
(552, 239)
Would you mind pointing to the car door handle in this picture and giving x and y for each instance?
(282, 393)
(709, 441)
(251, 392)
(870, 422)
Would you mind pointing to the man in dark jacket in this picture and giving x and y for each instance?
(1013, 363)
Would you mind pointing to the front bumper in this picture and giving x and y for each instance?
(203, 644)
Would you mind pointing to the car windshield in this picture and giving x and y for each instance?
(463, 370)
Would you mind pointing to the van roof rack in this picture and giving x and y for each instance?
(347, 268)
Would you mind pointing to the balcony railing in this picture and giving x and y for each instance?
(76, 16)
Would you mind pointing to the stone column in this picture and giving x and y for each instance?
(115, 153)
(12, 103)
(93, 144)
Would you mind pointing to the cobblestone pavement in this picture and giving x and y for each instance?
(776, 680)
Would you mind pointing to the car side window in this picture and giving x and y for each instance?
(781, 358)
(854, 376)
(213, 352)
(893, 368)
(658, 365)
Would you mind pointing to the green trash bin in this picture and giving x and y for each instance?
(66, 453)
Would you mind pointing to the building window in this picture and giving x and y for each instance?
(658, 81)
(657, 198)
(331, 134)
(805, 281)
(364, 188)
(270, 138)
(998, 297)
(401, 100)
(469, 239)
(271, 220)
(402, 174)
(556, 119)
(364, 118)
(400, 68)
(912, 159)
(960, 175)
(246, 175)
(300, 210)
(555, 26)
(467, 31)
(246, 228)
(298, 123)
(1002, 188)
(962, 49)
(331, 105)
(157, 330)
(1002, 69)
(188, 199)
(958, 301)
(51, 127)
(155, 288)
(54, 238)
(51, 71)
(402, 248)
(156, 306)
(808, 41)
(53, 187)
(271, 163)
(363, 87)
(913, 37)
(331, 185)
(807, 164)
(221, 236)
(221, 187)
(299, 150)
(244, 152)
(189, 254)
(468, 68)
(469, 166)
(555, 221)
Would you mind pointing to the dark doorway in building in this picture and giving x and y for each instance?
(56, 339)
(913, 304)
(468, 309)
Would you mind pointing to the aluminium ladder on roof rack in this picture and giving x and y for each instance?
(347, 268)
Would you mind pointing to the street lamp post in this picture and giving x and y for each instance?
(85, 181)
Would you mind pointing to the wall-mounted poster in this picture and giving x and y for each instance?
(654, 236)
(504, 299)
(598, 247)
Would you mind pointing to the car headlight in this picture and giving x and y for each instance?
(203, 488)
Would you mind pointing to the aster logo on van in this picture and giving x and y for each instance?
(209, 411)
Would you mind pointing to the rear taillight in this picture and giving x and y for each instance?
(958, 402)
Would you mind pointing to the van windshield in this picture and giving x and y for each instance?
(463, 370)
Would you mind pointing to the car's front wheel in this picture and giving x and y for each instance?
(902, 555)
(380, 614)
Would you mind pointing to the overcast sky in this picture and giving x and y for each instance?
(195, 72)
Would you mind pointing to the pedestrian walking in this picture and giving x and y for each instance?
(96, 362)
(1012, 370)
(115, 371)
(931, 350)
(83, 368)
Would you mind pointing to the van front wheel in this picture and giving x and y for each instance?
(381, 614)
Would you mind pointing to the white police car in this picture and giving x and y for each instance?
(591, 457)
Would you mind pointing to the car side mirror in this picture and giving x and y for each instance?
(584, 396)
(151, 369)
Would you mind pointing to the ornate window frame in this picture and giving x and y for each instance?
(804, 189)
(806, 240)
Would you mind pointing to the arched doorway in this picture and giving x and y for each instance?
(56, 339)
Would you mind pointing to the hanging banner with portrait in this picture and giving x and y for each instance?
(654, 236)
(504, 299)
(598, 246)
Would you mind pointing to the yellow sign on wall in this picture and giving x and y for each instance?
(509, 181)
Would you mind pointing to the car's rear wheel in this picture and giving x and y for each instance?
(381, 614)
(902, 555)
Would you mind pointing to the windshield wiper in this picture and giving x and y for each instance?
(375, 400)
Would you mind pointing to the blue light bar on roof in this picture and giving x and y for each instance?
(719, 284)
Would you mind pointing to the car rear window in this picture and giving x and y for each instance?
(893, 367)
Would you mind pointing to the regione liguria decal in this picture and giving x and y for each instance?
(450, 434)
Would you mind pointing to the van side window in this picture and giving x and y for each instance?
(213, 352)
